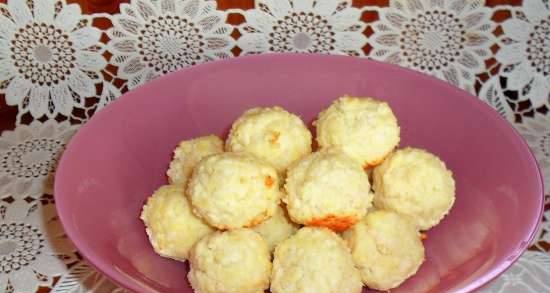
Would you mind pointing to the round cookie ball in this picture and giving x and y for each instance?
(327, 189)
(188, 153)
(386, 249)
(314, 260)
(272, 134)
(170, 224)
(415, 183)
(365, 128)
(277, 228)
(236, 261)
(234, 190)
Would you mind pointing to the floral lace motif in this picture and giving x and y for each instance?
(50, 55)
(149, 38)
(329, 26)
(29, 155)
(27, 257)
(449, 39)
(526, 48)
(537, 134)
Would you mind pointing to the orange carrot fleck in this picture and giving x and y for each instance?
(366, 167)
(335, 223)
(268, 181)
(372, 164)
(423, 236)
(274, 137)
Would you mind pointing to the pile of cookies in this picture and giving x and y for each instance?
(265, 210)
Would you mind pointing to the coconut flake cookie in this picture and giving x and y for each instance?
(327, 189)
(188, 153)
(272, 134)
(386, 249)
(314, 260)
(234, 190)
(235, 261)
(277, 228)
(365, 128)
(415, 183)
(170, 224)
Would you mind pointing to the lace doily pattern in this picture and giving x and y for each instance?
(528, 275)
(537, 134)
(61, 62)
(331, 27)
(50, 55)
(29, 155)
(542, 238)
(82, 278)
(449, 39)
(522, 86)
(525, 47)
(152, 38)
(33, 247)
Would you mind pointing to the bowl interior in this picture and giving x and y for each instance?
(118, 158)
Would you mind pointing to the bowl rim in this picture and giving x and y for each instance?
(123, 281)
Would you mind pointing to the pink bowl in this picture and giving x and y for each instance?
(118, 158)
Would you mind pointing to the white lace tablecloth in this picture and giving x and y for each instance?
(59, 65)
